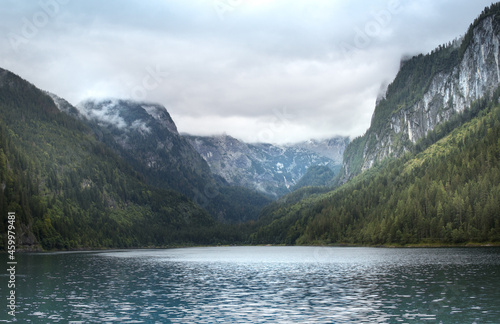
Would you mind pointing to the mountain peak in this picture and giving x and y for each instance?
(428, 91)
(127, 114)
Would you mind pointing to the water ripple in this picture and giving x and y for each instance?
(262, 285)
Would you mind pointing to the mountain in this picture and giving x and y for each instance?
(428, 91)
(446, 194)
(69, 190)
(332, 148)
(116, 173)
(271, 169)
(145, 135)
(315, 176)
(427, 171)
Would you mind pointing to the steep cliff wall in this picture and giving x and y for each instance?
(427, 91)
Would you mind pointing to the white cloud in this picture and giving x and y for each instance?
(106, 114)
(140, 126)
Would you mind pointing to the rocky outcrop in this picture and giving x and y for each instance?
(270, 169)
(471, 72)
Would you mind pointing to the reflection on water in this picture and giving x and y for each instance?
(260, 285)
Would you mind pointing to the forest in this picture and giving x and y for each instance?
(445, 192)
(409, 86)
(73, 187)
(71, 191)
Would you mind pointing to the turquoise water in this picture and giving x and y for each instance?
(258, 285)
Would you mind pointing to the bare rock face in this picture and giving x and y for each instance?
(270, 169)
(460, 73)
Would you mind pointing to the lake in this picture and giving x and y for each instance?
(258, 285)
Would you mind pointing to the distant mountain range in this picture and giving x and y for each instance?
(271, 169)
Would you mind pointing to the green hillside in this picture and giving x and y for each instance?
(70, 191)
(153, 148)
(316, 176)
(408, 88)
(447, 193)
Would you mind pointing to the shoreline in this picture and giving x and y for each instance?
(340, 245)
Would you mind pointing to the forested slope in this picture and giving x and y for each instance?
(427, 169)
(446, 193)
(70, 191)
(429, 90)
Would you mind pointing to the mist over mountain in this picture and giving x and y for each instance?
(69, 190)
(271, 169)
(147, 135)
(427, 171)
(430, 90)
(117, 173)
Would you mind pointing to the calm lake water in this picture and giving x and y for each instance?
(258, 285)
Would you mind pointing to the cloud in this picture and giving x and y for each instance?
(229, 68)
(104, 114)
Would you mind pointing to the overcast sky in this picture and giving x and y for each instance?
(260, 70)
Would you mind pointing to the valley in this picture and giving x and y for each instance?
(116, 173)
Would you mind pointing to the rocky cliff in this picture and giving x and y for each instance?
(429, 90)
(270, 169)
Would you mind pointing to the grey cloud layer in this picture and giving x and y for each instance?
(231, 69)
